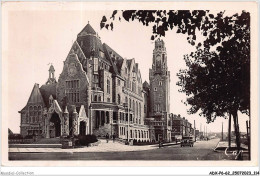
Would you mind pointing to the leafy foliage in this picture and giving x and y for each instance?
(84, 140)
(218, 82)
(221, 77)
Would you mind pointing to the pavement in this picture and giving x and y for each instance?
(102, 147)
(202, 150)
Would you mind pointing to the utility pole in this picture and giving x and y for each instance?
(204, 134)
(195, 130)
(248, 138)
(229, 131)
(206, 131)
(222, 132)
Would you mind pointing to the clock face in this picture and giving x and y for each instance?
(72, 71)
(158, 58)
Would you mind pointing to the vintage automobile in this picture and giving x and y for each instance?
(187, 141)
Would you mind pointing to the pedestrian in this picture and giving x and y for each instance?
(160, 144)
(107, 137)
(114, 137)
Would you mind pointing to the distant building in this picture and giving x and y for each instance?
(180, 127)
(197, 133)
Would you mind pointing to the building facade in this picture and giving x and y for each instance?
(180, 127)
(97, 92)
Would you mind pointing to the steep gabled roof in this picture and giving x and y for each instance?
(116, 61)
(146, 85)
(87, 30)
(36, 96)
(46, 91)
(82, 58)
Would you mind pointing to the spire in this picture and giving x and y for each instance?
(51, 69)
(51, 72)
(51, 78)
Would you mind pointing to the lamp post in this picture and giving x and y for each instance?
(90, 119)
(128, 116)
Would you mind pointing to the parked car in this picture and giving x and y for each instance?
(187, 141)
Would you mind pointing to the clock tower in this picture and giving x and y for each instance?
(159, 77)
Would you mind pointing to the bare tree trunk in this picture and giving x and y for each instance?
(229, 130)
(236, 125)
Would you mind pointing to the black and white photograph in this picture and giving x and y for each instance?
(129, 82)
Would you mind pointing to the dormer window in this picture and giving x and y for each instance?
(50, 100)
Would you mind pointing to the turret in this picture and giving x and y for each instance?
(160, 57)
(51, 78)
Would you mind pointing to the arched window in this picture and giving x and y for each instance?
(118, 99)
(99, 98)
(95, 98)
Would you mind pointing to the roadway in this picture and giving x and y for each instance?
(202, 150)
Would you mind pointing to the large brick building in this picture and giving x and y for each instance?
(100, 92)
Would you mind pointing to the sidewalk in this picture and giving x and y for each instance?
(102, 147)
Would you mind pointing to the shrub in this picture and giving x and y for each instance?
(29, 137)
(84, 140)
(15, 136)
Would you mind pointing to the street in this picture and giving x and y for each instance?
(202, 150)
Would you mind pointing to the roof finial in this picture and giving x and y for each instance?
(88, 22)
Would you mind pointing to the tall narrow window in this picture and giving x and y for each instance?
(108, 86)
(95, 64)
(118, 99)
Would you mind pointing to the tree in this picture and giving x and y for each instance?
(218, 82)
(217, 78)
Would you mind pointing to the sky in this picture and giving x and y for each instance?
(37, 38)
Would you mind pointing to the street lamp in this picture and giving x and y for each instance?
(128, 116)
(90, 119)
